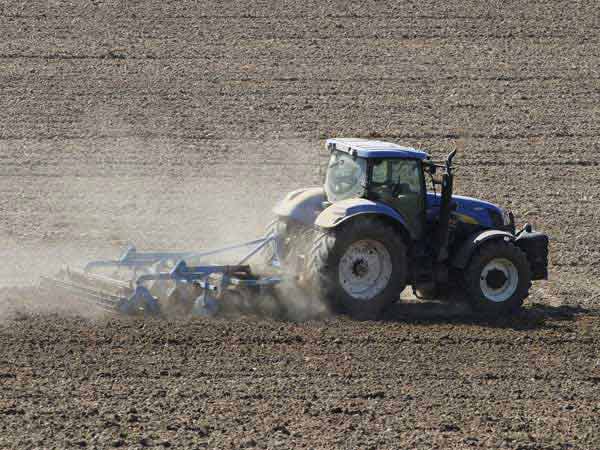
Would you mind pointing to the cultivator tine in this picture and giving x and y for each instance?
(140, 302)
(180, 298)
(160, 288)
(100, 281)
(102, 300)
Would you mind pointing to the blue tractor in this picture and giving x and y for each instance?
(379, 224)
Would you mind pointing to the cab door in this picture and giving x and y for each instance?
(399, 183)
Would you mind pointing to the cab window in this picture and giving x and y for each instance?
(396, 177)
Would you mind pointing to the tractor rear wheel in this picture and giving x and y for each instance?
(359, 268)
(498, 278)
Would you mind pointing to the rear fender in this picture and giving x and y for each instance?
(465, 251)
(344, 210)
(302, 205)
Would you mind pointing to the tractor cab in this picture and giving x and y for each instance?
(382, 172)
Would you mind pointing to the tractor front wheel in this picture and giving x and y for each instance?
(359, 268)
(498, 278)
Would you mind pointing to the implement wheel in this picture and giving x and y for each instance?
(358, 267)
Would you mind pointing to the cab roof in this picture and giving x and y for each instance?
(366, 148)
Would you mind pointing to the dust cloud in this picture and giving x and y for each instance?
(160, 197)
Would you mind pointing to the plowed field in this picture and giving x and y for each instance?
(177, 124)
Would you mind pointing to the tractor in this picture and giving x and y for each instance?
(379, 224)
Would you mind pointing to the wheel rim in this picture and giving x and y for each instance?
(365, 269)
(499, 280)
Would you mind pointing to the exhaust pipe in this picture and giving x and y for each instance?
(445, 209)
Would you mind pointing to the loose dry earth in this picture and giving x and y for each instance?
(176, 124)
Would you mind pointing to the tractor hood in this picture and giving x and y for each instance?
(470, 210)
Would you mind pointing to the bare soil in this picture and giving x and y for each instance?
(177, 124)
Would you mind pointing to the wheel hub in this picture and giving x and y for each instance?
(360, 268)
(499, 280)
(365, 269)
(496, 279)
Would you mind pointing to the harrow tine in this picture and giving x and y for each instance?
(99, 280)
(103, 300)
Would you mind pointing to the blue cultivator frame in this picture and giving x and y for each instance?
(143, 291)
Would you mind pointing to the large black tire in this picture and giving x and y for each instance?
(328, 249)
(503, 294)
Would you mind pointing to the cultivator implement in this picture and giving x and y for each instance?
(166, 283)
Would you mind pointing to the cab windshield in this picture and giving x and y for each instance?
(346, 177)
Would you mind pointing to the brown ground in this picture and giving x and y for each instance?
(176, 124)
